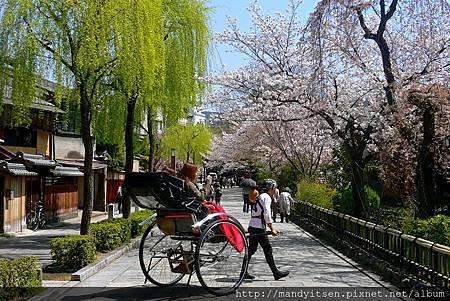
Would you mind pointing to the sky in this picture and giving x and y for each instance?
(222, 9)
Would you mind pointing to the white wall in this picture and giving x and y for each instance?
(69, 148)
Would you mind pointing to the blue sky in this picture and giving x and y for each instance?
(238, 9)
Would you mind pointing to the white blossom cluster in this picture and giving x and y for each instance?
(308, 88)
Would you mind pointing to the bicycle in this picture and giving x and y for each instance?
(36, 219)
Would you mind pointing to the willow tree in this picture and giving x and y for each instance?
(72, 41)
(189, 141)
(186, 44)
(139, 50)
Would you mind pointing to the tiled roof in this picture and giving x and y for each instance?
(35, 160)
(80, 163)
(62, 171)
(16, 169)
(38, 104)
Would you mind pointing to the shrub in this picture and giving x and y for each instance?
(110, 234)
(19, 278)
(343, 200)
(436, 229)
(372, 197)
(136, 218)
(395, 217)
(73, 252)
(315, 193)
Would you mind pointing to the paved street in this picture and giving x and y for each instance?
(311, 265)
(37, 243)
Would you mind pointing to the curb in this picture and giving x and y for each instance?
(52, 293)
(95, 267)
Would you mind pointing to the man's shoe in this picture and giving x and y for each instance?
(280, 274)
(248, 276)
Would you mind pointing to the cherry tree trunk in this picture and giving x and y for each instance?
(426, 177)
(357, 166)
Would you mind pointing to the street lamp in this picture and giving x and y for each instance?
(172, 159)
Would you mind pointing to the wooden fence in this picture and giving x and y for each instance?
(424, 259)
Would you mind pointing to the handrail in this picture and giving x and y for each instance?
(426, 260)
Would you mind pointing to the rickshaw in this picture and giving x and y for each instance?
(184, 238)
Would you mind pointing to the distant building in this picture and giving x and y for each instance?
(212, 116)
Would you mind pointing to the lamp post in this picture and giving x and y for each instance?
(172, 159)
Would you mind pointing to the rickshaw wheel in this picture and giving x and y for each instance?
(153, 257)
(220, 267)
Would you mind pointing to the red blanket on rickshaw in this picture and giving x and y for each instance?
(231, 233)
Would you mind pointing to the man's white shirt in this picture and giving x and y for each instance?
(255, 222)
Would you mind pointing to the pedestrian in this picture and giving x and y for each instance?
(274, 206)
(285, 201)
(208, 187)
(217, 193)
(246, 185)
(119, 199)
(261, 219)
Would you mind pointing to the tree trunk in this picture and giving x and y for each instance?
(88, 141)
(425, 178)
(151, 139)
(129, 150)
(357, 166)
(387, 69)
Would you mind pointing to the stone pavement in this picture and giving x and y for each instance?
(311, 265)
(37, 243)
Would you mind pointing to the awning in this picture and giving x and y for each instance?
(31, 160)
(16, 169)
(62, 171)
(80, 163)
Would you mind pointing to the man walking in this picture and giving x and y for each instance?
(260, 220)
(246, 184)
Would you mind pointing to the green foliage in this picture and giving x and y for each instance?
(110, 234)
(343, 200)
(394, 217)
(186, 45)
(373, 199)
(136, 218)
(315, 193)
(73, 252)
(161, 52)
(190, 141)
(261, 174)
(436, 229)
(116, 153)
(19, 278)
(287, 176)
(338, 173)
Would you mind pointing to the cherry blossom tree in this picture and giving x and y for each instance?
(326, 74)
(409, 40)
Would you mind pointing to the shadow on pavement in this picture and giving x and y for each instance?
(139, 293)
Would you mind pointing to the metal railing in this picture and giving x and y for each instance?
(421, 258)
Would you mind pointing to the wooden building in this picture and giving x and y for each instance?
(16, 190)
(58, 186)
